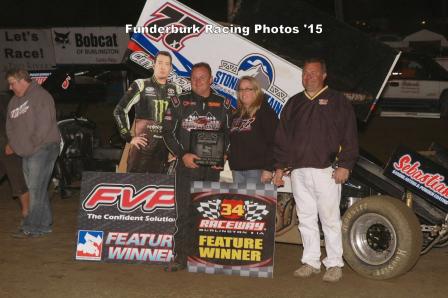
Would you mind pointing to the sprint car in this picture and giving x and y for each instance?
(390, 215)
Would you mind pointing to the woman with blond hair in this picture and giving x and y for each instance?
(252, 134)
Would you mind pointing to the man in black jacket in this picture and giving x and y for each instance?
(317, 129)
(200, 109)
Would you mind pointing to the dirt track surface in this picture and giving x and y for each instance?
(45, 267)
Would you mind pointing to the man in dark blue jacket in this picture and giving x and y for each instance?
(201, 109)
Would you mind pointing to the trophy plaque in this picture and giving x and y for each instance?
(209, 146)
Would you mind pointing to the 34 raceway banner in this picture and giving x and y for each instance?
(126, 218)
(235, 228)
(419, 174)
(192, 38)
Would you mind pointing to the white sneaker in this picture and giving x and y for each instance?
(333, 274)
(306, 271)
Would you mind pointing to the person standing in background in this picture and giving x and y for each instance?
(34, 135)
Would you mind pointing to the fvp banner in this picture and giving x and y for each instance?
(126, 218)
(235, 228)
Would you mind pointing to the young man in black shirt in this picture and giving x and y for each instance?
(150, 97)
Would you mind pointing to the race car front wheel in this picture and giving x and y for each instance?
(381, 237)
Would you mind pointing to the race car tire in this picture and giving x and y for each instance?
(381, 237)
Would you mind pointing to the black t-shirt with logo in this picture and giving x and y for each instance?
(252, 140)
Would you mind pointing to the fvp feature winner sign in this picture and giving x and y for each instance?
(126, 218)
(235, 228)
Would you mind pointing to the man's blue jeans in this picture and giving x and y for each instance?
(37, 170)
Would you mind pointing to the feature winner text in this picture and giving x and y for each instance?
(230, 248)
(139, 247)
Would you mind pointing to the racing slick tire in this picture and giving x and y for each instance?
(381, 237)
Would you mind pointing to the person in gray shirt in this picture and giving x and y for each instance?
(33, 134)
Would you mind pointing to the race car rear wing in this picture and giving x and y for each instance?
(266, 41)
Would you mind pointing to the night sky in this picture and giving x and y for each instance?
(396, 16)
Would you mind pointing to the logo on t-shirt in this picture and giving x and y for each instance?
(22, 109)
(207, 122)
(323, 102)
(240, 124)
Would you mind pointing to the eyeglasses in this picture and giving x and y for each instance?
(246, 90)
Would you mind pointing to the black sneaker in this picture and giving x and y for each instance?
(25, 235)
(65, 194)
(21, 235)
(174, 267)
